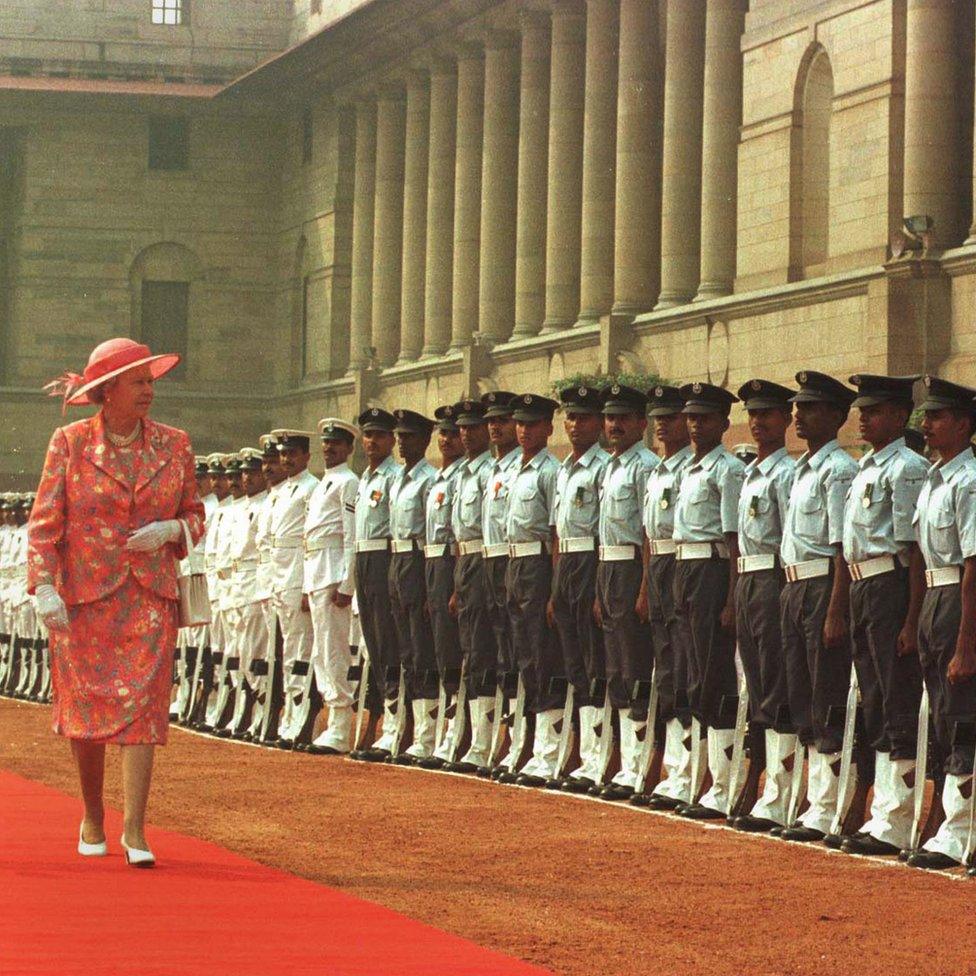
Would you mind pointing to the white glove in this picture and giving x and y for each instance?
(50, 607)
(153, 536)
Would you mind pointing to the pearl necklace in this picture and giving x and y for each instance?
(124, 440)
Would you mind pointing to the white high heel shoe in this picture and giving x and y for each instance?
(90, 850)
(136, 858)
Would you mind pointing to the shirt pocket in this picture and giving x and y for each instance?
(621, 502)
(867, 506)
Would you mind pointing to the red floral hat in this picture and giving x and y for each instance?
(108, 360)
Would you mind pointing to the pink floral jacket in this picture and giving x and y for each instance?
(87, 507)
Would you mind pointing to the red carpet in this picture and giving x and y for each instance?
(203, 911)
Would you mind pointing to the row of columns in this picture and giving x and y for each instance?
(523, 186)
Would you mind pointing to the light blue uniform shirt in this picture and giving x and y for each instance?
(469, 492)
(662, 493)
(763, 503)
(495, 503)
(815, 518)
(408, 501)
(578, 494)
(373, 500)
(440, 501)
(531, 510)
(945, 518)
(622, 496)
(708, 499)
(881, 502)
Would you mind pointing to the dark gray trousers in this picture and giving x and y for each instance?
(447, 644)
(758, 630)
(670, 655)
(474, 620)
(495, 575)
(627, 638)
(529, 584)
(949, 705)
(701, 588)
(373, 597)
(408, 598)
(573, 594)
(891, 685)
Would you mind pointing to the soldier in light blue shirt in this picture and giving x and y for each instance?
(762, 513)
(574, 581)
(887, 585)
(408, 586)
(705, 528)
(946, 532)
(620, 577)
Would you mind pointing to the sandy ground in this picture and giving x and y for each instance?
(580, 886)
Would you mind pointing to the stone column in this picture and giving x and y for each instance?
(722, 116)
(361, 274)
(563, 218)
(931, 120)
(637, 234)
(681, 176)
(388, 224)
(440, 208)
(414, 217)
(533, 156)
(499, 181)
(467, 194)
(599, 160)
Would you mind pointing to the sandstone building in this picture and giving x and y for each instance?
(330, 203)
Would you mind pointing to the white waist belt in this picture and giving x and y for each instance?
(264, 557)
(319, 545)
(404, 545)
(944, 576)
(493, 551)
(702, 550)
(662, 547)
(287, 544)
(753, 564)
(518, 550)
(617, 554)
(471, 547)
(372, 545)
(809, 569)
(872, 567)
(241, 564)
(578, 544)
(436, 550)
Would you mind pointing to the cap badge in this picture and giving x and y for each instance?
(374, 412)
(928, 381)
(856, 379)
(583, 391)
(696, 388)
(801, 377)
(615, 389)
(527, 398)
(491, 397)
(659, 391)
(756, 385)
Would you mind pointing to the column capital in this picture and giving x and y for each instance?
(533, 18)
(390, 91)
(567, 8)
(416, 76)
(468, 50)
(500, 40)
(438, 64)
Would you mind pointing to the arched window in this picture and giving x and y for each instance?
(810, 165)
(161, 284)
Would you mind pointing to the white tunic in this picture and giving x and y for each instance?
(330, 531)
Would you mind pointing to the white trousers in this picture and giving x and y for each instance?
(330, 650)
(296, 641)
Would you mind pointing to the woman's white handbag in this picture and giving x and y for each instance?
(194, 596)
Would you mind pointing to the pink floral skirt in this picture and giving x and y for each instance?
(111, 672)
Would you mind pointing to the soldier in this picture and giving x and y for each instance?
(439, 566)
(471, 599)
(946, 532)
(330, 529)
(529, 530)
(762, 514)
(7, 526)
(620, 578)
(706, 531)
(408, 587)
(570, 609)
(814, 601)
(887, 585)
(243, 617)
(372, 574)
(670, 655)
(287, 526)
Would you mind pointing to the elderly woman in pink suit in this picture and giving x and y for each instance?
(104, 538)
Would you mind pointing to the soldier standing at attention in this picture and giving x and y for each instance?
(373, 572)
(706, 531)
(670, 655)
(887, 586)
(762, 513)
(620, 577)
(570, 609)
